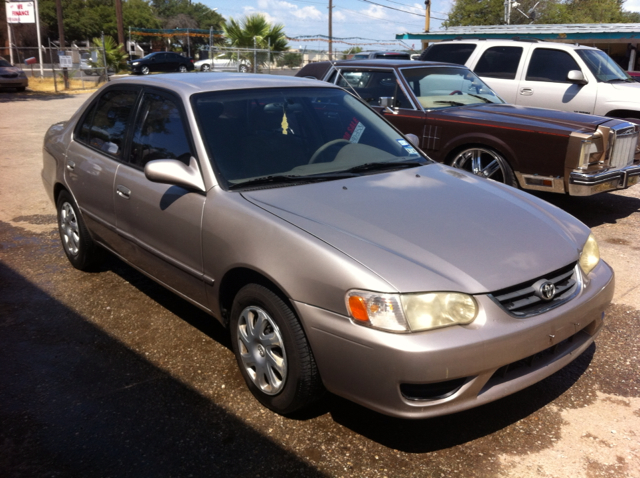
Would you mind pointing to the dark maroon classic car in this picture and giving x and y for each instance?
(459, 120)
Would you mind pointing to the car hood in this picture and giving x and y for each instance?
(540, 119)
(10, 70)
(627, 88)
(433, 228)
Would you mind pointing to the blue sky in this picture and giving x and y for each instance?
(351, 18)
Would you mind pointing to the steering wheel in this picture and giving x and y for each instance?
(324, 147)
(456, 92)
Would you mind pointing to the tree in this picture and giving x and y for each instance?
(256, 28)
(116, 58)
(491, 12)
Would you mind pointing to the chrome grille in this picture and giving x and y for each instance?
(624, 148)
(522, 300)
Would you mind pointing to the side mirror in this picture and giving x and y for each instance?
(387, 101)
(172, 171)
(413, 139)
(576, 76)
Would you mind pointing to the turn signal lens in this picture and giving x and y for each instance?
(590, 255)
(382, 311)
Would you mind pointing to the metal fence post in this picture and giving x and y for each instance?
(255, 56)
(104, 58)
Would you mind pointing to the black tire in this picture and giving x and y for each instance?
(144, 70)
(21, 88)
(82, 252)
(295, 382)
(486, 163)
(243, 69)
(205, 67)
(182, 69)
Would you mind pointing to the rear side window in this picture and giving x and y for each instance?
(499, 62)
(550, 65)
(160, 132)
(105, 127)
(457, 53)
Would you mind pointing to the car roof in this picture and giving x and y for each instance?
(573, 46)
(187, 84)
(392, 63)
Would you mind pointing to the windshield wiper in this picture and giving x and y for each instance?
(452, 103)
(625, 80)
(291, 179)
(388, 165)
(480, 97)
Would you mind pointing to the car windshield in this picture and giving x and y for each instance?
(444, 87)
(4, 63)
(296, 135)
(603, 67)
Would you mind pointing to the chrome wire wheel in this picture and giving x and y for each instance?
(485, 163)
(69, 229)
(205, 67)
(262, 350)
(145, 70)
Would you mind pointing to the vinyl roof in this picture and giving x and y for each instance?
(612, 32)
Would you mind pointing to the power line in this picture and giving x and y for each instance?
(391, 8)
(375, 18)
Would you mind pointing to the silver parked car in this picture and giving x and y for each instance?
(12, 76)
(338, 255)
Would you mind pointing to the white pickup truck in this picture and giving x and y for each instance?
(559, 76)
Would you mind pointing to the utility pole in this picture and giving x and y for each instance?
(427, 21)
(330, 30)
(120, 22)
(61, 41)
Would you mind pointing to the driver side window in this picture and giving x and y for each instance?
(373, 85)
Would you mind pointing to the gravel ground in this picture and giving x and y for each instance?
(107, 374)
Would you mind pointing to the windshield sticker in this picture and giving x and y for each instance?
(354, 131)
(407, 146)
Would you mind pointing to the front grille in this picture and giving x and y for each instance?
(624, 148)
(10, 75)
(524, 300)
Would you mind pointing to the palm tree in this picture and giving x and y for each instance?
(255, 28)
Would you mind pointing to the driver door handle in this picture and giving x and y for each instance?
(123, 192)
(526, 91)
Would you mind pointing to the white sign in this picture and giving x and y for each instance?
(21, 12)
(65, 61)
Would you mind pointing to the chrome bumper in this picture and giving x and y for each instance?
(586, 184)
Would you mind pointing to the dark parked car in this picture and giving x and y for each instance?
(337, 254)
(382, 55)
(460, 121)
(161, 61)
(12, 76)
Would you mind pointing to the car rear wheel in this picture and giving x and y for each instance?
(205, 67)
(145, 70)
(272, 351)
(182, 69)
(243, 69)
(80, 249)
(486, 163)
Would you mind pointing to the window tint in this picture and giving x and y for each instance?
(159, 132)
(499, 62)
(105, 127)
(550, 65)
(457, 53)
(372, 85)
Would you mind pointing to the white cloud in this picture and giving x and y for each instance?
(283, 10)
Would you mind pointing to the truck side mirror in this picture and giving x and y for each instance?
(576, 76)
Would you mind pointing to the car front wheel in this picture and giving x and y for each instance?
(243, 69)
(272, 351)
(486, 163)
(80, 249)
(144, 70)
(205, 67)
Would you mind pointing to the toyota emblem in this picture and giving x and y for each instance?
(547, 290)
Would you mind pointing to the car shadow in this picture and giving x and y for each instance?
(77, 402)
(604, 208)
(8, 96)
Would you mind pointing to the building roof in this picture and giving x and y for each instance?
(610, 32)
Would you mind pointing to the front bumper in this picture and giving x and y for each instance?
(14, 82)
(586, 184)
(369, 366)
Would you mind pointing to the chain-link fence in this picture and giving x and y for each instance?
(70, 68)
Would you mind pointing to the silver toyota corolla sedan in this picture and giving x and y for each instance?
(337, 254)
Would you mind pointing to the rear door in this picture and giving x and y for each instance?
(160, 222)
(95, 154)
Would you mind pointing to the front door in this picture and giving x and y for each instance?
(161, 223)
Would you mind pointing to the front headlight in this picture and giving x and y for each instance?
(135, 63)
(411, 312)
(592, 151)
(590, 255)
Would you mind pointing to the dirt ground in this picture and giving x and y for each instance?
(107, 374)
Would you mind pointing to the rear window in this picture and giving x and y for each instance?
(499, 62)
(457, 53)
